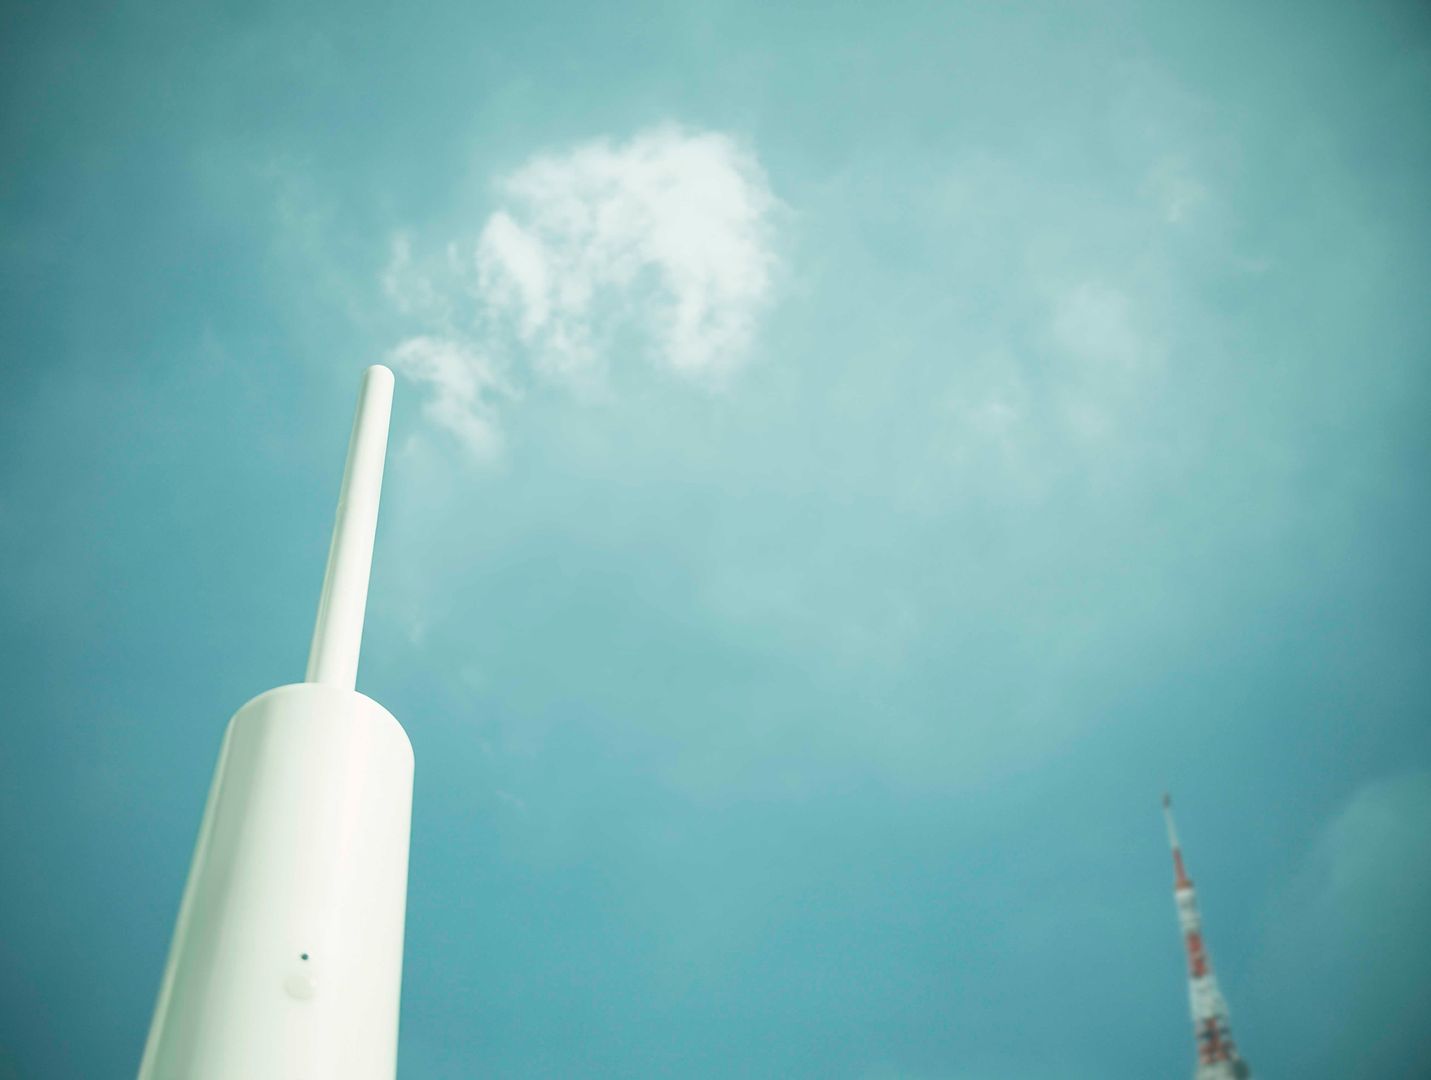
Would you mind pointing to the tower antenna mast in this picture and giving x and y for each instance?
(1217, 1057)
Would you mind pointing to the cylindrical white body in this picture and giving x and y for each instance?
(286, 962)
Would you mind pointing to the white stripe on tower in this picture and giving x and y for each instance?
(1217, 1057)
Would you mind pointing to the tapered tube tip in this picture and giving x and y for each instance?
(381, 373)
(338, 632)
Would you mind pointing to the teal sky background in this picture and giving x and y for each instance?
(792, 694)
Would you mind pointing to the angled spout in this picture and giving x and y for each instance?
(338, 632)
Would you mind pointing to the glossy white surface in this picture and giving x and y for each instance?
(303, 851)
(338, 632)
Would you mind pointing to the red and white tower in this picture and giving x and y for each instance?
(1217, 1057)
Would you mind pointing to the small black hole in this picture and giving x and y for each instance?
(303, 957)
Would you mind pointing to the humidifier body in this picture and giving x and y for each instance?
(286, 960)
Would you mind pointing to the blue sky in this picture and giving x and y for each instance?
(847, 462)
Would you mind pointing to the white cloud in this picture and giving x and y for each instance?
(465, 388)
(515, 272)
(659, 245)
(1097, 353)
(1102, 330)
(1094, 322)
(411, 290)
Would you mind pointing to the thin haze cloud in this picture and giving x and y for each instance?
(663, 242)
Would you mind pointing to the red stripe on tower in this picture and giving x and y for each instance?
(1217, 1057)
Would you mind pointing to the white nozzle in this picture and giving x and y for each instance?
(338, 633)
